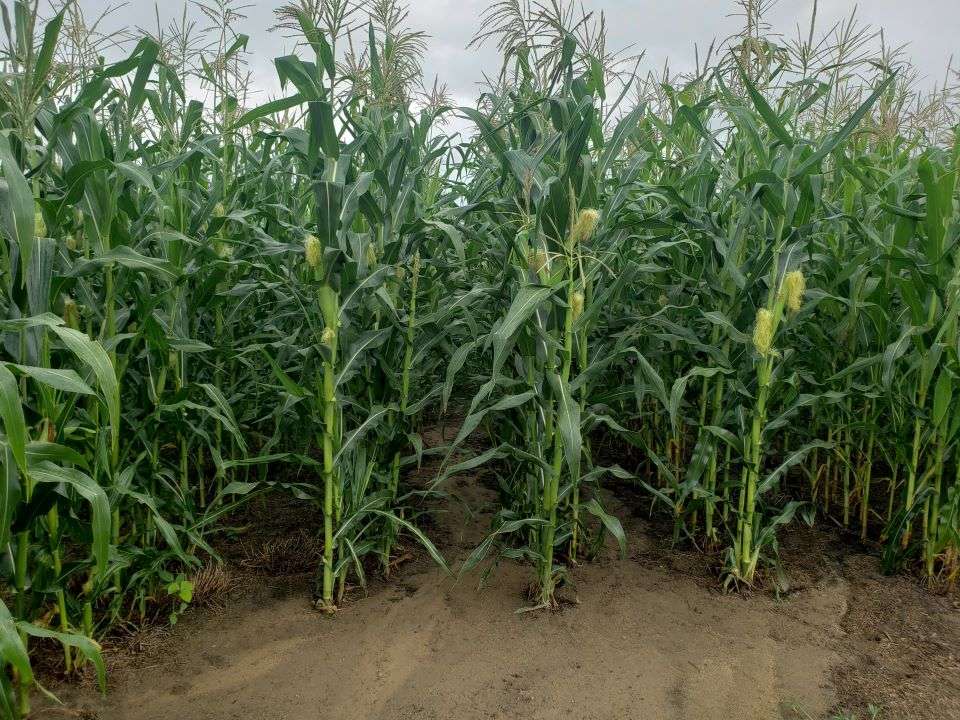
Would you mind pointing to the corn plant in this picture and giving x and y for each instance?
(736, 289)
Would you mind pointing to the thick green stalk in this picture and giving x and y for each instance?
(866, 482)
(391, 533)
(912, 471)
(747, 562)
(20, 582)
(552, 487)
(848, 444)
(582, 362)
(329, 304)
(932, 528)
(53, 529)
(711, 479)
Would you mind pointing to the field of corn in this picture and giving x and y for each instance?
(735, 290)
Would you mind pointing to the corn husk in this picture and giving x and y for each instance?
(313, 251)
(793, 289)
(763, 332)
(576, 304)
(584, 226)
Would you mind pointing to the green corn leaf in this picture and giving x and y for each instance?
(17, 207)
(376, 416)
(11, 412)
(90, 648)
(270, 108)
(44, 61)
(611, 523)
(65, 380)
(9, 493)
(92, 354)
(13, 653)
(47, 472)
(457, 361)
(526, 302)
(835, 139)
(770, 117)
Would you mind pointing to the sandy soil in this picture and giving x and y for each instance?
(650, 637)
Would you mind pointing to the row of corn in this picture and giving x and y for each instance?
(739, 293)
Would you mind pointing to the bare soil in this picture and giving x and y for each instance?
(648, 636)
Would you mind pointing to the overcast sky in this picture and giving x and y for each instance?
(664, 29)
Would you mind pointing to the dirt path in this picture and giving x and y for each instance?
(640, 644)
(644, 642)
